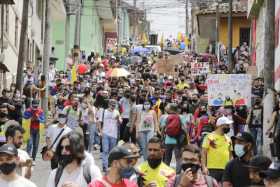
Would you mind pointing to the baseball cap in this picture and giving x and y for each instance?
(9, 149)
(259, 162)
(273, 172)
(120, 152)
(244, 136)
(223, 121)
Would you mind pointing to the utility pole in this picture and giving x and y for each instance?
(269, 47)
(22, 44)
(135, 20)
(187, 18)
(46, 55)
(230, 37)
(78, 24)
(217, 29)
(2, 28)
(117, 25)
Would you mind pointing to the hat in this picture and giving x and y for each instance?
(223, 121)
(118, 153)
(273, 172)
(260, 162)
(244, 136)
(9, 149)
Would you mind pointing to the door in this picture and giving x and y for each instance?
(244, 35)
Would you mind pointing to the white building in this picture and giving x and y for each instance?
(12, 29)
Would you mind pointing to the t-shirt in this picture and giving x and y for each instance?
(20, 181)
(218, 150)
(105, 183)
(237, 173)
(72, 117)
(110, 122)
(53, 131)
(23, 157)
(163, 175)
(125, 107)
(147, 122)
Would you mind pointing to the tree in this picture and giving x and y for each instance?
(22, 44)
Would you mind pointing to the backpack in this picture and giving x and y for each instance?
(173, 127)
(86, 174)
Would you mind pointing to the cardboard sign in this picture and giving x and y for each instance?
(236, 87)
(199, 68)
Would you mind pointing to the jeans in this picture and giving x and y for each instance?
(108, 143)
(86, 135)
(93, 136)
(33, 143)
(258, 137)
(143, 139)
(123, 135)
(168, 154)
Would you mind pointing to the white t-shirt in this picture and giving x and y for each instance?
(23, 157)
(125, 105)
(53, 131)
(19, 182)
(76, 176)
(110, 123)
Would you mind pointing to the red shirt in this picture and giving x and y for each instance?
(101, 183)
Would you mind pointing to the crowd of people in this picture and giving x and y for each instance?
(137, 123)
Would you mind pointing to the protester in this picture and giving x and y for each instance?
(217, 143)
(14, 136)
(272, 175)
(256, 165)
(72, 171)
(191, 174)
(36, 116)
(54, 134)
(236, 173)
(154, 171)
(118, 160)
(8, 162)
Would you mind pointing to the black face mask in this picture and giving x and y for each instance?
(154, 163)
(3, 114)
(194, 167)
(7, 168)
(65, 160)
(226, 130)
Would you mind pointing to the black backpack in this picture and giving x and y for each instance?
(86, 174)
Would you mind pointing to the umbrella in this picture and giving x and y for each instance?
(82, 69)
(118, 72)
(173, 51)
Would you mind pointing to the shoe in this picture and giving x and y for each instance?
(33, 163)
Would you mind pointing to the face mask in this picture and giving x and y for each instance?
(194, 167)
(126, 172)
(65, 160)
(62, 120)
(239, 150)
(226, 130)
(7, 168)
(154, 163)
(147, 107)
(3, 114)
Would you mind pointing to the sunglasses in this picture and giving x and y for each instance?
(67, 147)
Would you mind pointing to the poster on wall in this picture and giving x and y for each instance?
(227, 88)
(199, 68)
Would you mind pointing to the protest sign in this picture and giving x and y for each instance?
(235, 87)
(199, 68)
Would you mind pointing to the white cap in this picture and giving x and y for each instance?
(223, 121)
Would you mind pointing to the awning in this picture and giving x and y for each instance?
(3, 68)
(58, 12)
(104, 9)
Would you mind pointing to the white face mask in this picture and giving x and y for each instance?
(147, 107)
(62, 120)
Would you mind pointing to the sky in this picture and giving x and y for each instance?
(167, 17)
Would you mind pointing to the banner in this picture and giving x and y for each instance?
(235, 87)
(199, 68)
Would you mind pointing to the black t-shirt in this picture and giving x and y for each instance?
(237, 173)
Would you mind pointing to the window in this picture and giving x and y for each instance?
(39, 8)
(16, 32)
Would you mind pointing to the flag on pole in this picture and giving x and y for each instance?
(179, 37)
(73, 74)
(144, 39)
(162, 42)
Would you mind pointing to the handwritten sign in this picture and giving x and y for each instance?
(235, 87)
(199, 68)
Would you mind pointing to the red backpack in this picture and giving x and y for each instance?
(173, 127)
